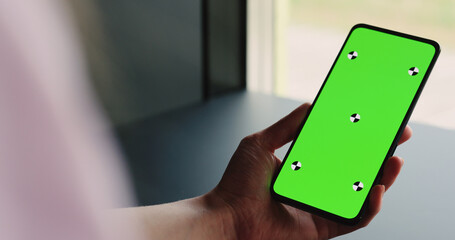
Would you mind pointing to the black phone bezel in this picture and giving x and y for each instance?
(358, 218)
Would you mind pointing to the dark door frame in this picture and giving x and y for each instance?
(224, 43)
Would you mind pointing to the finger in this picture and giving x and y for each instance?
(285, 129)
(277, 160)
(407, 133)
(391, 170)
(375, 204)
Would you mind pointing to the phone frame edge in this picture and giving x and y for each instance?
(358, 218)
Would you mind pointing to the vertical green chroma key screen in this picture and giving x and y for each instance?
(335, 159)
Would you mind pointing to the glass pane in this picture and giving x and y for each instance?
(312, 32)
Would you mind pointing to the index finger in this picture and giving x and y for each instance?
(407, 133)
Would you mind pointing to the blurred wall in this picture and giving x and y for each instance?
(150, 57)
(145, 55)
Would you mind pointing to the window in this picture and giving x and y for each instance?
(304, 37)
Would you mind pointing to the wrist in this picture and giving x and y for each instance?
(217, 216)
(204, 217)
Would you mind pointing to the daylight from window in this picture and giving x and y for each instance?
(309, 34)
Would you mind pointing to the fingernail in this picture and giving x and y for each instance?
(383, 190)
(402, 161)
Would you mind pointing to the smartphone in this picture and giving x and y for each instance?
(355, 123)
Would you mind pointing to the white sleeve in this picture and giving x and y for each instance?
(59, 167)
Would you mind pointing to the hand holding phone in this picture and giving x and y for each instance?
(245, 185)
(355, 123)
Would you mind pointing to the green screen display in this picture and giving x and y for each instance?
(359, 111)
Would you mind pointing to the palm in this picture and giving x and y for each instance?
(246, 181)
(258, 215)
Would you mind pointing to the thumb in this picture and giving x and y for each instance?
(285, 129)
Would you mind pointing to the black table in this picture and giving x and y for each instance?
(183, 154)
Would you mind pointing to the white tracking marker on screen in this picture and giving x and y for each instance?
(355, 118)
(357, 186)
(296, 165)
(413, 71)
(352, 55)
